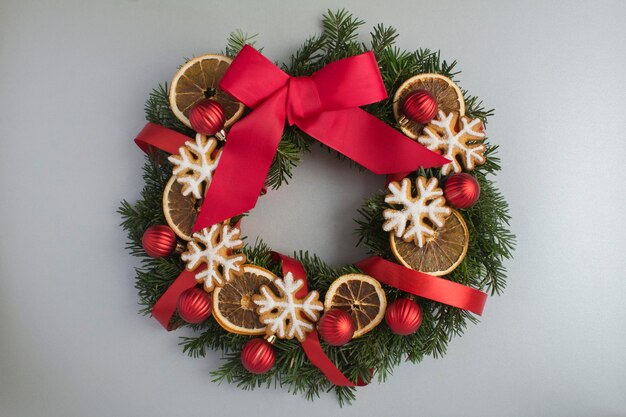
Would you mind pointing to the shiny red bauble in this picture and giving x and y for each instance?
(420, 106)
(336, 327)
(207, 117)
(194, 305)
(461, 190)
(403, 316)
(258, 356)
(158, 241)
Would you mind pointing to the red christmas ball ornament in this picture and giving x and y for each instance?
(258, 356)
(159, 241)
(207, 117)
(336, 327)
(403, 316)
(461, 190)
(194, 305)
(420, 106)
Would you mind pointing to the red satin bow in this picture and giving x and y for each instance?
(324, 105)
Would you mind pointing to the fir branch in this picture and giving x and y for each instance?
(474, 108)
(379, 350)
(383, 37)
(212, 337)
(258, 254)
(340, 30)
(237, 40)
(290, 150)
(307, 58)
(155, 275)
(158, 111)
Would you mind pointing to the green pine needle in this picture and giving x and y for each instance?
(236, 41)
(379, 350)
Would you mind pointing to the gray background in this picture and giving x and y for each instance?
(73, 80)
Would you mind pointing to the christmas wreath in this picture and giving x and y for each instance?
(231, 125)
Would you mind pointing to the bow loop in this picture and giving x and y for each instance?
(325, 106)
(350, 82)
(252, 78)
(303, 100)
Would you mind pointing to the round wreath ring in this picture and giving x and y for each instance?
(438, 234)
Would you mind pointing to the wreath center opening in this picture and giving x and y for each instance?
(316, 210)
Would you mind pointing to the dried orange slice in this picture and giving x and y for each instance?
(442, 252)
(233, 307)
(180, 212)
(361, 296)
(197, 80)
(449, 99)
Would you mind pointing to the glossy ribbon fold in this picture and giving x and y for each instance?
(156, 136)
(424, 285)
(166, 305)
(324, 106)
(164, 308)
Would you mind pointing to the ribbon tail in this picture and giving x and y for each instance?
(156, 136)
(424, 285)
(246, 159)
(165, 306)
(369, 141)
(316, 355)
(311, 345)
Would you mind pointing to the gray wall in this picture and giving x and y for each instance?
(73, 80)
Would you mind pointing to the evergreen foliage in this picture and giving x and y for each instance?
(379, 350)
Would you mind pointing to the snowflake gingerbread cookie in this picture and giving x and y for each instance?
(195, 164)
(410, 222)
(212, 247)
(465, 141)
(285, 315)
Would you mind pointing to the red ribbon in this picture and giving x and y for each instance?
(156, 136)
(424, 285)
(324, 105)
(311, 344)
(164, 308)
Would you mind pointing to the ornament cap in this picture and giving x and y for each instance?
(180, 248)
(221, 135)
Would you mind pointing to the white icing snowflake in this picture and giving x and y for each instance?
(195, 164)
(441, 135)
(213, 247)
(285, 315)
(427, 205)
